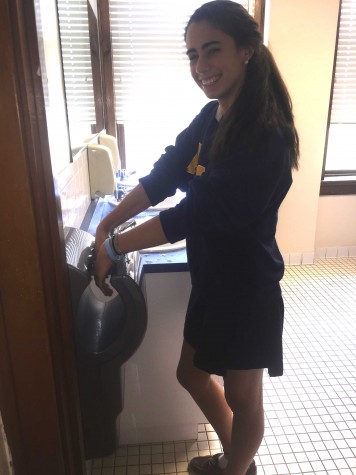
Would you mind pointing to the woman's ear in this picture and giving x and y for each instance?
(248, 53)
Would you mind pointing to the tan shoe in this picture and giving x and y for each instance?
(209, 465)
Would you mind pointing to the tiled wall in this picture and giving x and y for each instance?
(73, 186)
(300, 258)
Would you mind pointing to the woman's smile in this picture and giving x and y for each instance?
(209, 81)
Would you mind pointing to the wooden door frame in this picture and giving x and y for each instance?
(105, 47)
(260, 10)
(38, 388)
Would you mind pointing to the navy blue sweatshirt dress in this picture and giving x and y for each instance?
(228, 217)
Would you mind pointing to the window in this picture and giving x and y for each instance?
(77, 68)
(52, 83)
(339, 175)
(156, 97)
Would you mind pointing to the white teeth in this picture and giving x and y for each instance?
(208, 82)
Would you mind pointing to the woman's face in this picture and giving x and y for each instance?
(216, 64)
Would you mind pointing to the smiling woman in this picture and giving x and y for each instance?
(236, 170)
(151, 74)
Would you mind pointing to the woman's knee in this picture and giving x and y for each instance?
(243, 391)
(181, 374)
(183, 377)
(188, 375)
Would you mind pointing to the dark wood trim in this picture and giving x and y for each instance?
(40, 407)
(96, 68)
(107, 67)
(338, 187)
(260, 6)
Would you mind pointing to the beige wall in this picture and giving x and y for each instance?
(336, 225)
(302, 38)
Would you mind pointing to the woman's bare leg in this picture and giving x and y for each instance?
(244, 394)
(208, 394)
(235, 412)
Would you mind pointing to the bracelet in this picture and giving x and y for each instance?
(113, 257)
(115, 249)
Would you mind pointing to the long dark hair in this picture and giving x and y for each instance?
(264, 103)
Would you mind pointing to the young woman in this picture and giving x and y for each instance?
(234, 162)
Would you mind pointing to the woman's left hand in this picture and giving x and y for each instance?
(102, 267)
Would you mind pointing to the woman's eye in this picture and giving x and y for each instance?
(193, 58)
(212, 51)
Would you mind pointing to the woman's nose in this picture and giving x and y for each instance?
(201, 65)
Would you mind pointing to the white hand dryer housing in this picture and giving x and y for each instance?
(101, 170)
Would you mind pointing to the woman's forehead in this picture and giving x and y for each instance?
(201, 33)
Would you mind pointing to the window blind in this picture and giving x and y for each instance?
(156, 97)
(77, 67)
(341, 145)
(344, 92)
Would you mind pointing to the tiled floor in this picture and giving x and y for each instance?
(311, 410)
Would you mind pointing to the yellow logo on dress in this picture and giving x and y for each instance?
(199, 170)
(194, 168)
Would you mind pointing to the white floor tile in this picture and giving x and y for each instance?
(310, 411)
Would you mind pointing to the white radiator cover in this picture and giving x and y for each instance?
(156, 407)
